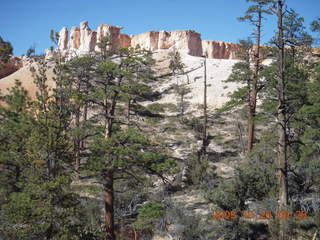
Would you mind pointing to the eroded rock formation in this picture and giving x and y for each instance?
(147, 40)
(83, 40)
(74, 43)
(63, 39)
(125, 40)
(113, 32)
(219, 49)
(186, 41)
(88, 38)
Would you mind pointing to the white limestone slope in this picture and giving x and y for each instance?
(218, 70)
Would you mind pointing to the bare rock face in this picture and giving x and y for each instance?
(51, 55)
(88, 38)
(108, 30)
(74, 43)
(148, 40)
(186, 41)
(83, 40)
(219, 49)
(125, 40)
(63, 39)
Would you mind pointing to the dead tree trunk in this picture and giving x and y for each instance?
(282, 121)
(205, 115)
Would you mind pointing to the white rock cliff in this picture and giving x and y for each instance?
(83, 40)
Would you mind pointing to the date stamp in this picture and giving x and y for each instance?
(262, 214)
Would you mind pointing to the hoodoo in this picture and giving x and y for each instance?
(83, 40)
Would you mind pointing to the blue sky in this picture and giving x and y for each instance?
(28, 22)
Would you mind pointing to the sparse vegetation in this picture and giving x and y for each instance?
(100, 156)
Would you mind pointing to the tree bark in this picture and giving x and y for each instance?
(108, 174)
(108, 190)
(254, 90)
(108, 205)
(251, 123)
(85, 111)
(85, 117)
(282, 123)
(204, 137)
(77, 144)
(128, 111)
(182, 103)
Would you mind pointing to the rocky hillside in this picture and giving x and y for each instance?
(187, 197)
(218, 70)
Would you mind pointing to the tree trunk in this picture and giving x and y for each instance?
(315, 235)
(204, 137)
(85, 113)
(108, 205)
(254, 90)
(108, 174)
(182, 104)
(85, 117)
(108, 190)
(128, 111)
(242, 143)
(282, 123)
(77, 145)
(252, 112)
(108, 128)
(77, 141)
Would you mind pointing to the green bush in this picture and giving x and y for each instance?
(149, 213)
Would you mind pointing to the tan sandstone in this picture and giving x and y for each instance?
(186, 41)
(74, 43)
(88, 38)
(219, 49)
(147, 40)
(83, 40)
(63, 39)
(125, 40)
(108, 30)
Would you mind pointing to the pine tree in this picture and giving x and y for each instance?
(81, 72)
(16, 126)
(282, 116)
(305, 125)
(5, 52)
(286, 93)
(180, 88)
(254, 15)
(247, 72)
(295, 34)
(241, 73)
(119, 149)
(310, 113)
(38, 203)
